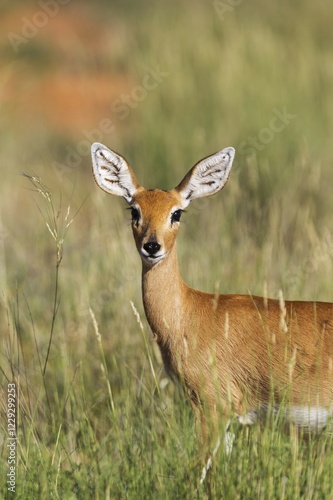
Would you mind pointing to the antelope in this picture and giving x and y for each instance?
(235, 354)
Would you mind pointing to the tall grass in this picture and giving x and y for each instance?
(102, 420)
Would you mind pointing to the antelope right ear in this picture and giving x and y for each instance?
(112, 172)
(207, 177)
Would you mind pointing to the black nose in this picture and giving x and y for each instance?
(152, 247)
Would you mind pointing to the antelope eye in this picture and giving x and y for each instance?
(175, 217)
(135, 214)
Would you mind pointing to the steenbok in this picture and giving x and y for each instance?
(240, 355)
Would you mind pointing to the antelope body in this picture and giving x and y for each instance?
(235, 353)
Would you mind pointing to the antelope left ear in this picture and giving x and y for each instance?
(207, 177)
(112, 172)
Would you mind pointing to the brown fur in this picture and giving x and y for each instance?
(235, 353)
(231, 350)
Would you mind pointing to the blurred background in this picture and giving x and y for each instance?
(165, 84)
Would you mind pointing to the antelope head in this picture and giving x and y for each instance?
(156, 213)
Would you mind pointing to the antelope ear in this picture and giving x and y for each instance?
(207, 177)
(112, 172)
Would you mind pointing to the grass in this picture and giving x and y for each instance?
(102, 420)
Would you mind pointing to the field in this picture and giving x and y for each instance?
(165, 84)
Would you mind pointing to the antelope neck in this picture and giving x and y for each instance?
(164, 296)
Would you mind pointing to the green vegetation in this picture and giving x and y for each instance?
(103, 421)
